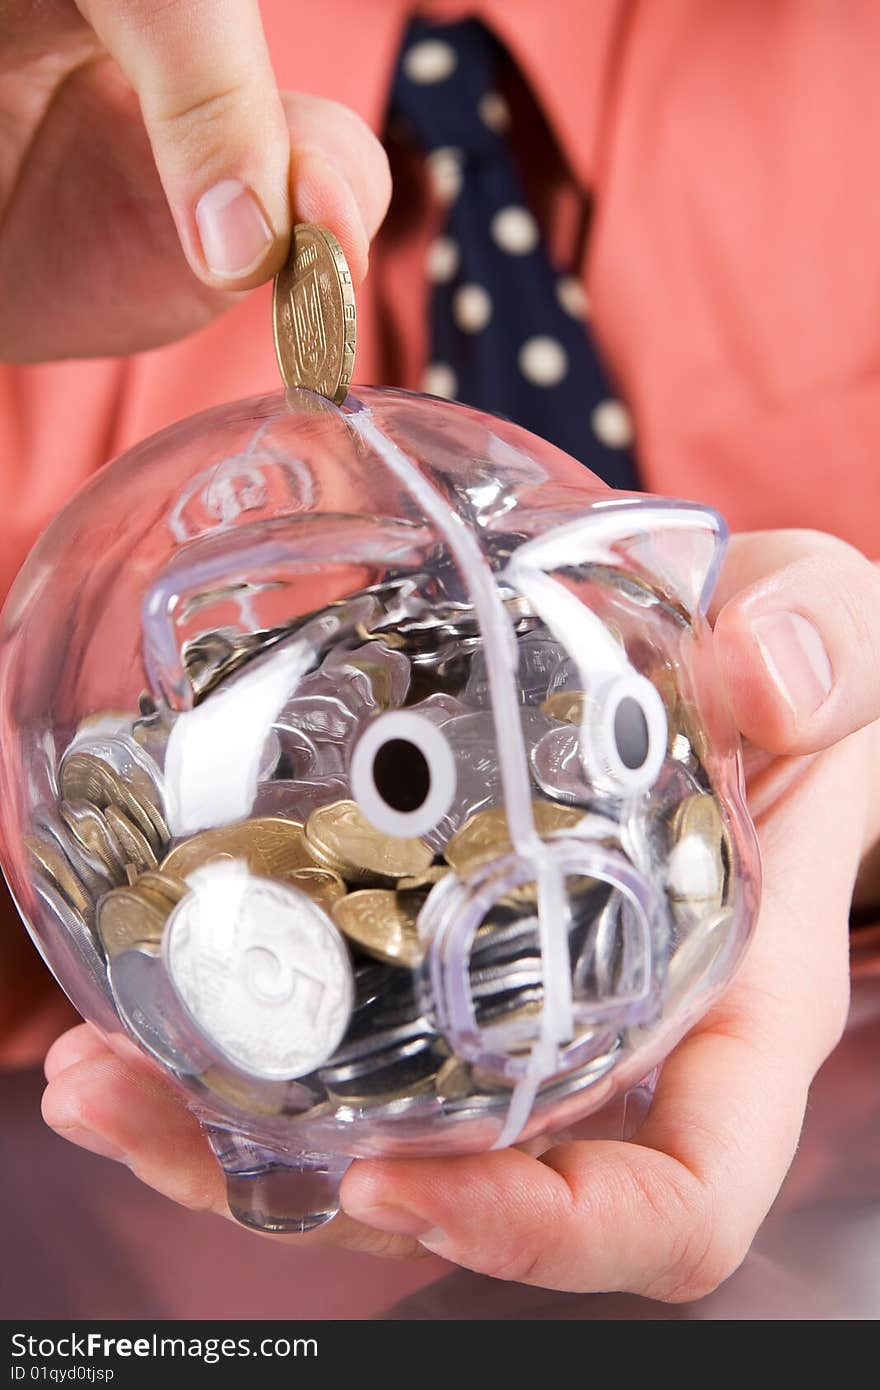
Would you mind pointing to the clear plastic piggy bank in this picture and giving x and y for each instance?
(368, 766)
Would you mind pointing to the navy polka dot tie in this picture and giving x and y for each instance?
(507, 330)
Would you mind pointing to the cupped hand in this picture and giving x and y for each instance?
(150, 169)
(671, 1213)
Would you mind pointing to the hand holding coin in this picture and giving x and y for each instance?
(193, 139)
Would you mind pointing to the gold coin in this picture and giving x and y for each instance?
(161, 889)
(366, 1099)
(128, 920)
(136, 848)
(375, 920)
(270, 846)
(85, 777)
(566, 705)
(486, 837)
(421, 881)
(341, 837)
(88, 827)
(54, 864)
(265, 1099)
(322, 885)
(314, 315)
(454, 1080)
(698, 815)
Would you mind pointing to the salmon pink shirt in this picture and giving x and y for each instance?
(731, 266)
(732, 273)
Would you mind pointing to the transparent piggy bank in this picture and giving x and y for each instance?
(369, 767)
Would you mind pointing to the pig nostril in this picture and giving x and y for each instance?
(631, 733)
(401, 774)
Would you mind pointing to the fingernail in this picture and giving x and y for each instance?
(435, 1240)
(233, 229)
(398, 1221)
(795, 655)
(88, 1139)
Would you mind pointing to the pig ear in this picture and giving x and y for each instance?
(677, 546)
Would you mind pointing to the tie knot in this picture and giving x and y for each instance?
(444, 88)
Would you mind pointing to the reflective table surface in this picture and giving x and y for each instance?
(90, 1241)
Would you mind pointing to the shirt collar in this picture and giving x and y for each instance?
(564, 48)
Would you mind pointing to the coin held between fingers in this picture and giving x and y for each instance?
(314, 315)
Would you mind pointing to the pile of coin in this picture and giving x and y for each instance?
(279, 959)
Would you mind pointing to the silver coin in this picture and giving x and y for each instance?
(75, 943)
(379, 1040)
(152, 1012)
(308, 757)
(262, 970)
(326, 715)
(341, 1072)
(521, 934)
(449, 659)
(557, 768)
(138, 785)
(380, 674)
(539, 657)
(297, 799)
(90, 872)
(473, 739)
(492, 980)
(439, 708)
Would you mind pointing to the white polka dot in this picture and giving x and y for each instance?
(543, 361)
(515, 230)
(443, 258)
(431, 60)
(572, 296)
(440, 380)
(612, 424)
(444, 168)
(471, 308)
(494, 112)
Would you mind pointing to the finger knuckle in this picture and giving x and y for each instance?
(697, 1277)
(516, 1265)
(706, 1251)
(703, 1244)
(676, 1205)
(212, 108)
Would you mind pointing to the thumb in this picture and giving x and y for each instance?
(798, 639)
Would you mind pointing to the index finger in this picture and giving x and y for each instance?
(212, 111)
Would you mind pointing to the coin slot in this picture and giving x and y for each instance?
(403, 774)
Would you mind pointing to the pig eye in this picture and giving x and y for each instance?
(630, 742)
(403, 774)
